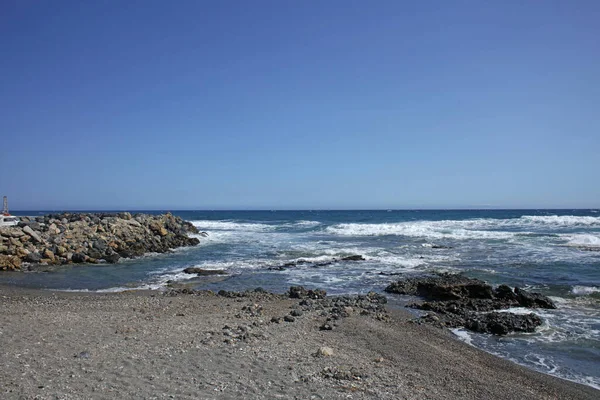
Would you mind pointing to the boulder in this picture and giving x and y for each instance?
(112, 258)
(34, 235)
(33, 257)
(10, 263)
(78, 258)
(48, 254)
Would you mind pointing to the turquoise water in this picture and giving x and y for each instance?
(542, 250)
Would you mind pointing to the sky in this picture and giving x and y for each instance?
(299, 104)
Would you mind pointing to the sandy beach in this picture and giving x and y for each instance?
(148, 345)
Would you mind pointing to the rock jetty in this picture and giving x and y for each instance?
(57, 239)
(456, 300)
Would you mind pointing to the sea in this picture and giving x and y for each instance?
(554, 252)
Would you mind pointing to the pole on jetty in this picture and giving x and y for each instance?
(5, 210)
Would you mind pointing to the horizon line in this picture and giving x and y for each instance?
(167, 209)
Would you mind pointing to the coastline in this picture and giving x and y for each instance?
(147, 344)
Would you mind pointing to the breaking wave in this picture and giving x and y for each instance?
(484, 228)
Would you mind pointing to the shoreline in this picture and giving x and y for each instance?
(143, 344)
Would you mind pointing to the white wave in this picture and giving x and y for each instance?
(206, 225)
(583, 240)
(480, 228)
(584, 290)
(559, 221)
(463, 335)
(306, 224)
(429, 229)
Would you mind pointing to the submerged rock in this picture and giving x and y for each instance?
(204, 272)
(315, 264)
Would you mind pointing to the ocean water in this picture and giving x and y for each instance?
(550, 251)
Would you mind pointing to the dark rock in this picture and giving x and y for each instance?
(354, 258)
(326, 327)
(78, 258)
(33, 257)
(289, 318)
(442, 287)
(533, 300)
(112, 258)
(99, 245)
(461, 301)
(296, 313)
(204, 272)
(502, 323)
(299, 292)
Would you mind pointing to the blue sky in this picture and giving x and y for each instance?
(299, 104)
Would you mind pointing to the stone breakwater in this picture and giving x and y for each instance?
(57, 239)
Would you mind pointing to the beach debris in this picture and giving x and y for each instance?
(324, 352)
(83, 354)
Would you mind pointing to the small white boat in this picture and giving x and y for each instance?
(5, 218)
(8, 220)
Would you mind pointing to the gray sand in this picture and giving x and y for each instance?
(150, 346)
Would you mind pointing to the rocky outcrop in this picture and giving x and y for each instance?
(92, 237)
(456, 300)
(502, 323)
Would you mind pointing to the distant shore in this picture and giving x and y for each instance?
(187, 344)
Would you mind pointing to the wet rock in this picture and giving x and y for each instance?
(354, 258)
(204, 272)
(460, 301)
(533, 300)
(442, 287)
(502, 323)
